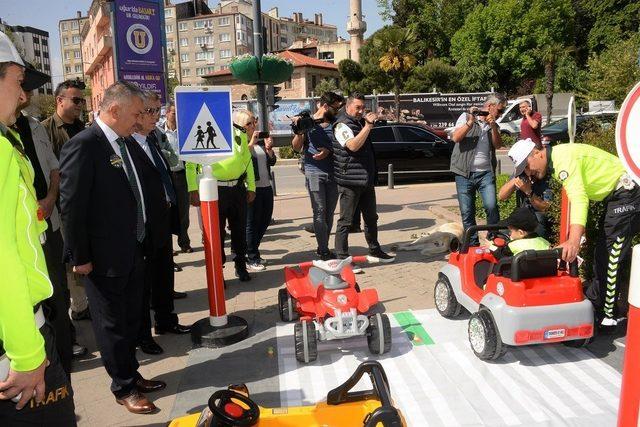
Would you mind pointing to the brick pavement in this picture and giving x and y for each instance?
(406, 284)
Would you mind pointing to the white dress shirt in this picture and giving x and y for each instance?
(112, 137)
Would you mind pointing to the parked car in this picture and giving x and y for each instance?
(557, 132)
(414, 151)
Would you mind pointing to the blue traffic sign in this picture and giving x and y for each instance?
(203, 118)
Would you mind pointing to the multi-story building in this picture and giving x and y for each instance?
(70, 46)
(33, 45)
(97, 50)
(333, 52)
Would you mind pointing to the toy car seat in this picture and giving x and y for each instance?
(328, 274)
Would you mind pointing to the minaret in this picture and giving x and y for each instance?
(356, 28)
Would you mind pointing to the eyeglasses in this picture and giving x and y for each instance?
(76, 100)
(152, 110)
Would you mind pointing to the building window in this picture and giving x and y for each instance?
(36, 40)
(184, 57)
(67, 56)
(224, 37)
(44, 42)
(67, 69)
(224, 21)
(202, 23)
(78, 68)
(74, 25)
(63, 26)
(170, 44)
(225, 53)
(203, 71)
(168, 12)
(168, 28)
(76, 54)
(76, 39)
(203, 40)
(182, 26)
(288, 84)
(204, 56)
(184, 42)
(65, 41)
(186, 72)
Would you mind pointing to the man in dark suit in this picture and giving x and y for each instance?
(162, 219)
(103, 209)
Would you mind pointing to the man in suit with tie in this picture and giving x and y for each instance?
(103, 209)
(161, 210)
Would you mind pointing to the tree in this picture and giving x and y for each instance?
(396, 59)
(325, 85)
(350, 75)
(44, 104)
(550, 55)
(612, 21)
(172, 82)
(434, 74)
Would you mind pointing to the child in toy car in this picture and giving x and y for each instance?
(522, 224)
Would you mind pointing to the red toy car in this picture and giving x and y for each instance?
(519, 300)
(329, 304)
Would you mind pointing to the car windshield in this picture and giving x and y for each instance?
(557, 126)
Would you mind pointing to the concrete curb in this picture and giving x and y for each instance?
(286, 162)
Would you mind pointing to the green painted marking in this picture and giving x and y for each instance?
(413, 328)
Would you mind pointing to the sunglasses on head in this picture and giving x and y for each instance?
(152, 110)
(76, 100)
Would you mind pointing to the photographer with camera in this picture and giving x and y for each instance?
(355, 172)
(314, 137)
(473, 160)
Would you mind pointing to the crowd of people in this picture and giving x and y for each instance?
(87, 217)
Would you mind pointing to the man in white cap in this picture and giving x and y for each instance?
(589, 173)
(33, 385)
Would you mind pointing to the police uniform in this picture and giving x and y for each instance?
(231, 174)
(25, 339)
(589, 173)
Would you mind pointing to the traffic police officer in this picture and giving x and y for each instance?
(232, 173)
(589, 173)
(33, 385)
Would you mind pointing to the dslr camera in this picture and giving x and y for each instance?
(304, 124)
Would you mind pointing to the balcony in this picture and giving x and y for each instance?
(102, 48)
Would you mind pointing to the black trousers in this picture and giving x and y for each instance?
(56, 308)
(352, 198)
(57, 409)
(116, 308)
(158, 290)
(232, 207)
(612, 254)
(182, 200)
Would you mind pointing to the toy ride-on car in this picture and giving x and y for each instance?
(327, 301)
(373, 408)
(530, 298)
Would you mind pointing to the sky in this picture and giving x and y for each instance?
(45, 14)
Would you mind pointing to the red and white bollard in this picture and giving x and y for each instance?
(219, 329)
(628, 413)
(565, 223)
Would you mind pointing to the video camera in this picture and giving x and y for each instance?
(305, 122)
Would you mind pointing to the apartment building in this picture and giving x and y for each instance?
(70, 46)
(33, 45)
(332, 52)
(97, 50)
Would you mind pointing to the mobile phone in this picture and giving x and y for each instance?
(480, 113)
(264, 134)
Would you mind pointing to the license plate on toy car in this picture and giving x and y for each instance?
(554, 333)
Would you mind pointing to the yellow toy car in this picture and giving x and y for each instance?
(372, 408)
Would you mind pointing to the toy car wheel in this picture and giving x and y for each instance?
(306, 341)
(287, 306)
(445, 300)
(483, 336)
(379, 334)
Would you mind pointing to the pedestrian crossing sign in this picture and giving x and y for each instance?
(204, 123)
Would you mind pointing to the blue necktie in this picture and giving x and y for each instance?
(164, 174)
(133, 183)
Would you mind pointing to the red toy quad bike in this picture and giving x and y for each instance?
(329, 304)
(519, 300)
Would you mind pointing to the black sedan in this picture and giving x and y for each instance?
(414, 151)
(557, 132)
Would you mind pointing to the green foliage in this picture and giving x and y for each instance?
(373, 77)
(507, 140)
(325, 85)
(610, 21)
(287, 152)
(614, 72)
(435, 73)
(350, 75)
(172, 83)
(505, 207)
(44, 104)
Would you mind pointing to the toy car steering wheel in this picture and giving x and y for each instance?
(230, 413)
(500, 235)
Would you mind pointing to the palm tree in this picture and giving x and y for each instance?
(549, 55)
(396, 59)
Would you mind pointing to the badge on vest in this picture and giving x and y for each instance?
(115, 161)
(563, 175)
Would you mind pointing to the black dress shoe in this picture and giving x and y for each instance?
(149, 386)
(150, 347)
(81, 315)
(179, 295)
(186, 249)
(243, 275)
(78, 351)
(177, 268)
(172, 329)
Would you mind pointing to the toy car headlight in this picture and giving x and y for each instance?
(205, 418)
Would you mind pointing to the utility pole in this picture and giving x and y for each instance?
(258, 51)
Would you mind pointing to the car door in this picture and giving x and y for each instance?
(385, 148)
(425, 151)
